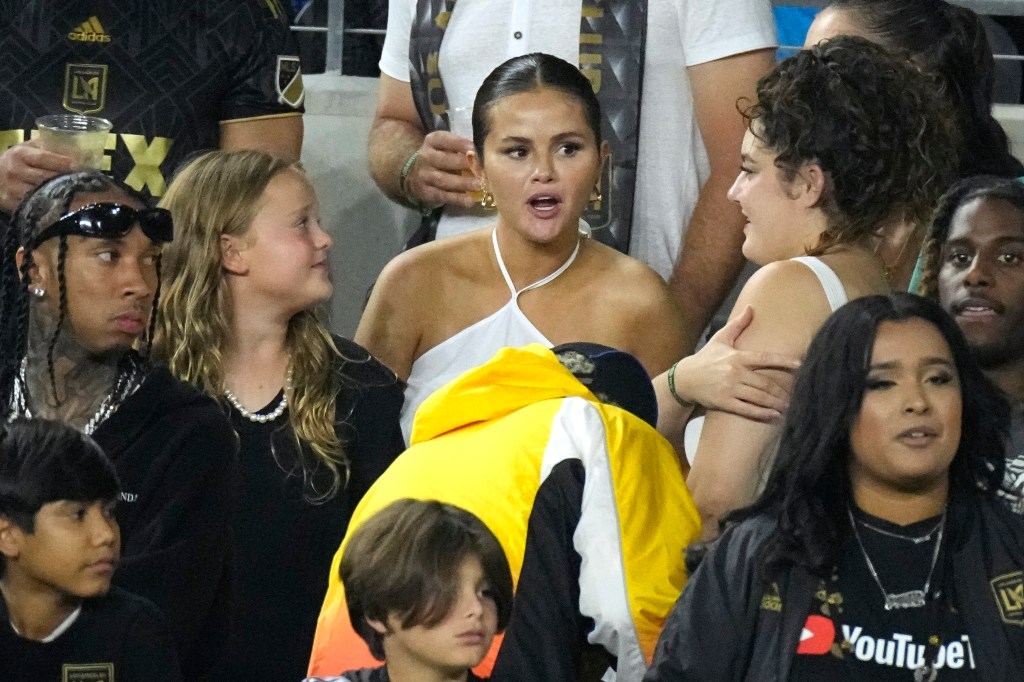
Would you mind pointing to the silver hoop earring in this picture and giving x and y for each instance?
(38, 292)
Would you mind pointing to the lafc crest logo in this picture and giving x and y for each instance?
(1009, 593)
(88, 672)
(289, 81)
(85, 88)
(89, 31)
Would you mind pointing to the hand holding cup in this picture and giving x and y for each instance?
(82, 138)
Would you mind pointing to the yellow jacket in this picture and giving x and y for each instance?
(486, 441)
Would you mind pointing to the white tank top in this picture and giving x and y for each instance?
(836, 295)
(474, 345)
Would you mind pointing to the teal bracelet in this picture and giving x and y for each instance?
(403, 176)
(672, 388)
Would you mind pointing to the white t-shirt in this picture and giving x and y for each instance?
(680, 33)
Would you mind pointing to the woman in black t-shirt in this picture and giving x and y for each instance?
(878, 550)
(316, 415)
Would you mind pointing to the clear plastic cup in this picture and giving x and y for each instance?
(82, 138)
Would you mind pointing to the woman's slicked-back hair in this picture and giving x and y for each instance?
(808, 488)
(962, 192)
(39, 209)
(527, 73)
(43, 461)
(218, 194)
(871, 121)
(404, 561)
(947, 42)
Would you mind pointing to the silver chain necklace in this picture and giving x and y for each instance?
(916, 539)
(912, 599)
(124, 385)
(278, 410)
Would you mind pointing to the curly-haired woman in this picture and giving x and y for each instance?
(826, 165)
(949, 45)
(879, 549)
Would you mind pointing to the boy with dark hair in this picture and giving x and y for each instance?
(428, 586)
(59, 547)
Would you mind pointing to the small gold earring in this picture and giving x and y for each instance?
(487, 200)
(595, 196)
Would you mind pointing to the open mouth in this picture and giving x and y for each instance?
(544, 203)
(978, 308)
(918, 436)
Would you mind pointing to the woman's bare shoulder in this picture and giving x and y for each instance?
(789, 305)
(628, 273)
(435, 262)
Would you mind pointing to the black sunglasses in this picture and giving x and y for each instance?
(110, 221)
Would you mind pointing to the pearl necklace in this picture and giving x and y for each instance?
(278, 410)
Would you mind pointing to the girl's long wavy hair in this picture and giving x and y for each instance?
(808, 489)
(218, 194)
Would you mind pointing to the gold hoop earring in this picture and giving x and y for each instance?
(487, 200)
(595, 195)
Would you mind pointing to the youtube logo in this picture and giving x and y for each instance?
(817, 636)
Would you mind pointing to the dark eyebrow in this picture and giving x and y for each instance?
(926, 362)
(512, 138)
(965, 241)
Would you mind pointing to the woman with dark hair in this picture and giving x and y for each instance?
(878, 549)
(81, 266)
(825, 168)
(948, 43)
(533, 277)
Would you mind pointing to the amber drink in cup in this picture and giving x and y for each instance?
(460, 122)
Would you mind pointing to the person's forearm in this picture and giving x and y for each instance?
(392, 142)
(711, 257)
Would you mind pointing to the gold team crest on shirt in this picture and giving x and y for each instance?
(1009, 593)
(85, 88)
(88, 672)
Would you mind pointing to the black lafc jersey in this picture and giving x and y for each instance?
(164, 72)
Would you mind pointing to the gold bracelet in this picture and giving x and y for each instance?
(689, 404)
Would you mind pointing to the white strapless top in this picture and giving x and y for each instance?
(476, 344)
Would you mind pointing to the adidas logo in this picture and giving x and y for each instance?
(91, 31)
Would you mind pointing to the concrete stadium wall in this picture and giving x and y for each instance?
(367, 228)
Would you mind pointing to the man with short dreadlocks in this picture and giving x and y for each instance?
(78, 295)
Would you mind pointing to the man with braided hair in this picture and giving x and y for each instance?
(80, 279)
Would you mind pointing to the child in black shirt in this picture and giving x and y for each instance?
(60, 620)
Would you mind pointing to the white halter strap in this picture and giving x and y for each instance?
(540, 282)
